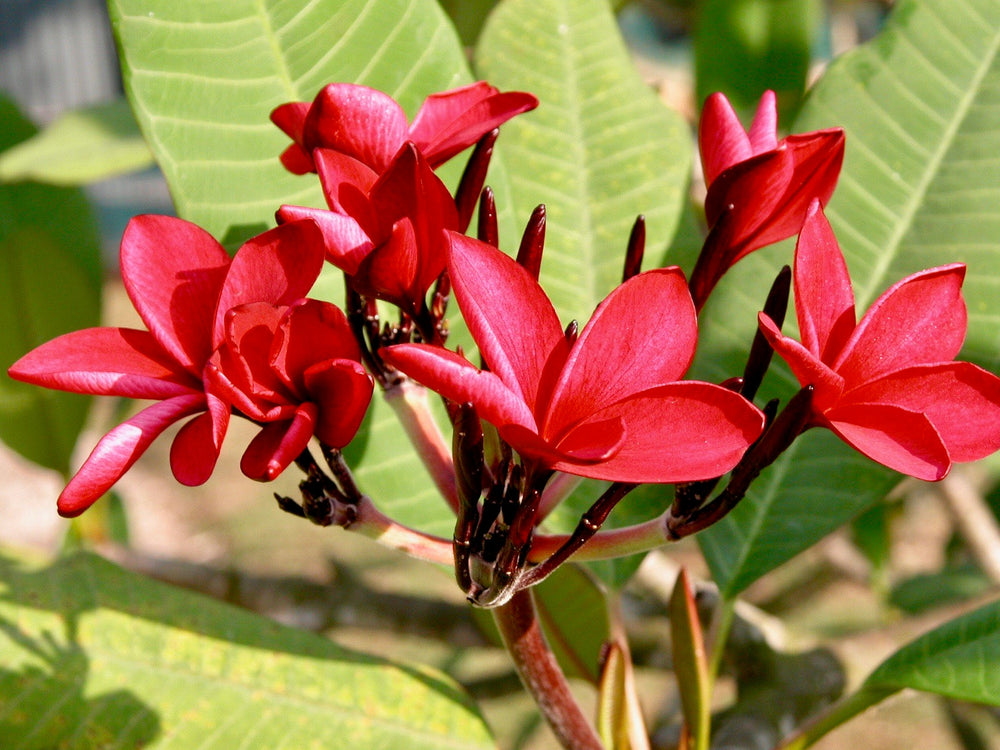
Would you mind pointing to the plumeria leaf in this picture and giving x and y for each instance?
(80, 147)
(956, 660)
(912, 195)
(40, 424)
(203, 78)
(95, 656)
(599, 150)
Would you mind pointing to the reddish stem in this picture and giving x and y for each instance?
(541, 675)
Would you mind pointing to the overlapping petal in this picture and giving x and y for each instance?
(605, 405)
(369, 126)
(888, 386)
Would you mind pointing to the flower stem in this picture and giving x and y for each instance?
(606, 544)
(374, 524)
(541, 675)
(412, 407)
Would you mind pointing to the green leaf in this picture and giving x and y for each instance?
(80, 147)
(919, 188)
(46, 234)
(920, 185)
(620, 724)
(202, 79)
(957, 660)
(744, 47)
(94, 656)
(599, 150)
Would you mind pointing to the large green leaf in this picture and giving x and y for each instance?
(957, 660)
(202, 78)
(94, 656)
(47, 235)
(599, 150)
(920, 187)
(82, 146)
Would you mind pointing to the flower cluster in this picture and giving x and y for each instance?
(607, 401)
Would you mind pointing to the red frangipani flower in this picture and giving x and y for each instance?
(181, 282)
(385, 232)
(607, 405)
(297, 370)
(370, 126)
(887, 385)
(758, 187)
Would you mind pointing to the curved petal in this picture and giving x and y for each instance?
(679, 432)
(173, 272)
(919, 320)
(508, 314)
(310, 331)
(278, 267)
(119, 449)
(451, 121)
(642, 335)
(341, 390)
(291, 118)
(899, 438)
(106, 362)
(193, 453)
(763, 131)
(296, 160)
(824, 299)
(961, 400)
(456, 379)
(805, 365)
(588, 444)
(359, 121)
(391, 271)
(345, 241)
(346, 183)
(278, 444)
(721, 138)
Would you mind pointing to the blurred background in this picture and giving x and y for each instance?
(825, 618)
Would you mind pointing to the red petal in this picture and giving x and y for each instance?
(679, 432)
(345, 241)
(341, 389)
(806, 367)
(193, 454)
(824, 300)
(173, 271)
(296, 160)
(509, 316)
(106, 362)
(451, 121)
(642, 335)
(961, 400)
(278, 444)
(310, 331)
(346, 183)
(278, 267)
(291, 118)
(901, 439)
(919, 320)
(764, 129)
(361, 122)
(391, 270)
(587, 445)
(721, 138)
(458, 380)
(119, 449)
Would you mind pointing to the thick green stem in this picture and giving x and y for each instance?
(541, 675)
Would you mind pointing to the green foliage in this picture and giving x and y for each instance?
(918, 105)
(80, 147)
(744, 47)
(94, 656)
(599, 150)
(45, 233)
(202, 79)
